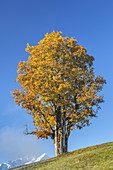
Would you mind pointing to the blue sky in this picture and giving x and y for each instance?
(25, 21)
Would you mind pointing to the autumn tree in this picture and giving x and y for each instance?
(58, 88)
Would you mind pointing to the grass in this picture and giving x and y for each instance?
(98, 157)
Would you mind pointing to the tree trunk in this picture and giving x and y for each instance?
(66, 144)
(64, 131)
(61, 141)
(60, 146)
(56, 140)
(60, 133)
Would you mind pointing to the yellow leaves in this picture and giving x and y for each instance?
(46, 98)
(58, 72)
(49, 76)
(28, 47)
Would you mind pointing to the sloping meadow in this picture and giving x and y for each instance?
(95, 157)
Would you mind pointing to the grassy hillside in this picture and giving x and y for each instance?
(96, 157)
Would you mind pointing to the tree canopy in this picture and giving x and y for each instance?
(58, 86)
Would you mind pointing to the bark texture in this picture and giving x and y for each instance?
(61, 135)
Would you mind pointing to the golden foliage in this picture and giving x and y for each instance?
(58, 72)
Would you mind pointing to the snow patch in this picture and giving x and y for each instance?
(22, 161)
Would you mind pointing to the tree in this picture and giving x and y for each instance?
(58, 88)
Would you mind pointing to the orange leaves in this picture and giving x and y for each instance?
(58, 73)
(42, 134)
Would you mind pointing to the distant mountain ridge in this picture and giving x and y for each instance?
(22, 161)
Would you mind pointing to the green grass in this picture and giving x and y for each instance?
(98, 157)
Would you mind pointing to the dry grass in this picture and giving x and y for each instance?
(98, 157)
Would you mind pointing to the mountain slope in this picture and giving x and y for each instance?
(22, 161)
(95, 157)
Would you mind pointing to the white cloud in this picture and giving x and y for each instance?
(14, 144)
